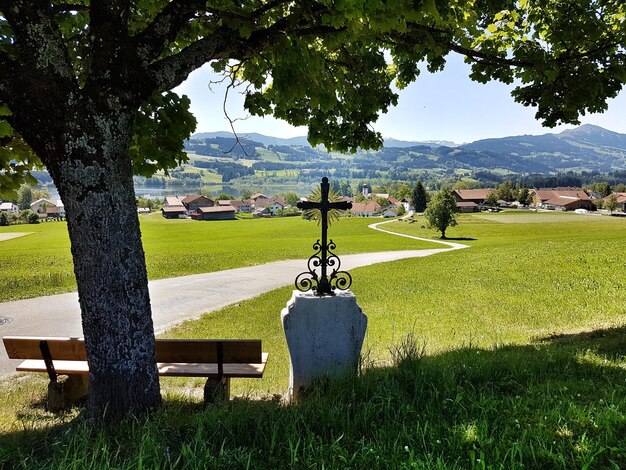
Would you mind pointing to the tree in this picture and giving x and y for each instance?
(85, 91)
(4, 220)
(523, 196)
(491, 199)
(24, 196)
(440, 213)
(419, 198)
(401, 210)
(611, 203)
(505, 191)
(291, 198)
(246, 194)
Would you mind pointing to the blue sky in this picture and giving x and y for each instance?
(442, 106)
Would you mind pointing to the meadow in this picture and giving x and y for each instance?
(508, 354)
(40, 263)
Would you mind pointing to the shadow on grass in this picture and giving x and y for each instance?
(557, 403)
(467, 239)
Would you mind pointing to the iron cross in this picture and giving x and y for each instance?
(324, 206)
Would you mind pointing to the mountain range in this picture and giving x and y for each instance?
(585, 148)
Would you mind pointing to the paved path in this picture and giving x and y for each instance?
(181, 298)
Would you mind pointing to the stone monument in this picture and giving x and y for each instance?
(324, 328)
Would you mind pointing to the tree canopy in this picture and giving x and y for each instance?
(85, 90)
(327, 65)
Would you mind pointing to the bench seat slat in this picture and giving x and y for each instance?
(167, 350)
(166, 369)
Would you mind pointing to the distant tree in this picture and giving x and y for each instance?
(620, 188)
(462, 184)
(419, 197)
(382, 201)
(401, 210)
(224, 197)
(359, 198)
(602, 188)
(522, 196)
(246, 194)
(611, 203)
(505, 191)
(345, 189)
(440, 213)
(4, 220)
(206, 192)
(599, 203)
(291, 198)
(402, 191)
(491, 199)
(24, 196)
(41, 193)
(146, 202)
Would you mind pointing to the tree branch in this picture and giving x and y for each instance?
(153, 40)
(39, 38)
(443, 37)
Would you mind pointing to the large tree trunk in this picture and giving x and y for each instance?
(94, 179)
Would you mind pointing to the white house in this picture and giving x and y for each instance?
(9, 208)
(40, 205)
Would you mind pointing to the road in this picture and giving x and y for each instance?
(181, 298)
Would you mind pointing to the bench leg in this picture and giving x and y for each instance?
(216, 390)
(66, 391)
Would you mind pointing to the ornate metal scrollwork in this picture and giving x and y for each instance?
(309, 280)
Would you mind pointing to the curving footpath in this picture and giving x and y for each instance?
(182, 298)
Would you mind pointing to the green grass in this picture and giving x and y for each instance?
(40, 263)
(515, 358)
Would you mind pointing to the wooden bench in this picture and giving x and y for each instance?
(218, 360)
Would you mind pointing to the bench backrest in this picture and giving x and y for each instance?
(234, 351)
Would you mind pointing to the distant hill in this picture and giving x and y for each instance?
(595, 135)
(264, 139)
(302, 140)
(585, 148)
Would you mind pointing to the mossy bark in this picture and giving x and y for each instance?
(94, 179)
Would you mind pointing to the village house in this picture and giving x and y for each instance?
(390, 212)
(274, 205)
(214, 213)
(174, 212)
(48, 208)
(467, 206)
(477, 196)
(196, 201)
(561, 199)
(9, 208)
(239, 205)
(173, 201)
(365, 209)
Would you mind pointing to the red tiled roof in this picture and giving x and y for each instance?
(365, 207)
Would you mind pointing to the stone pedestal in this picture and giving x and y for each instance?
(324, 336)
